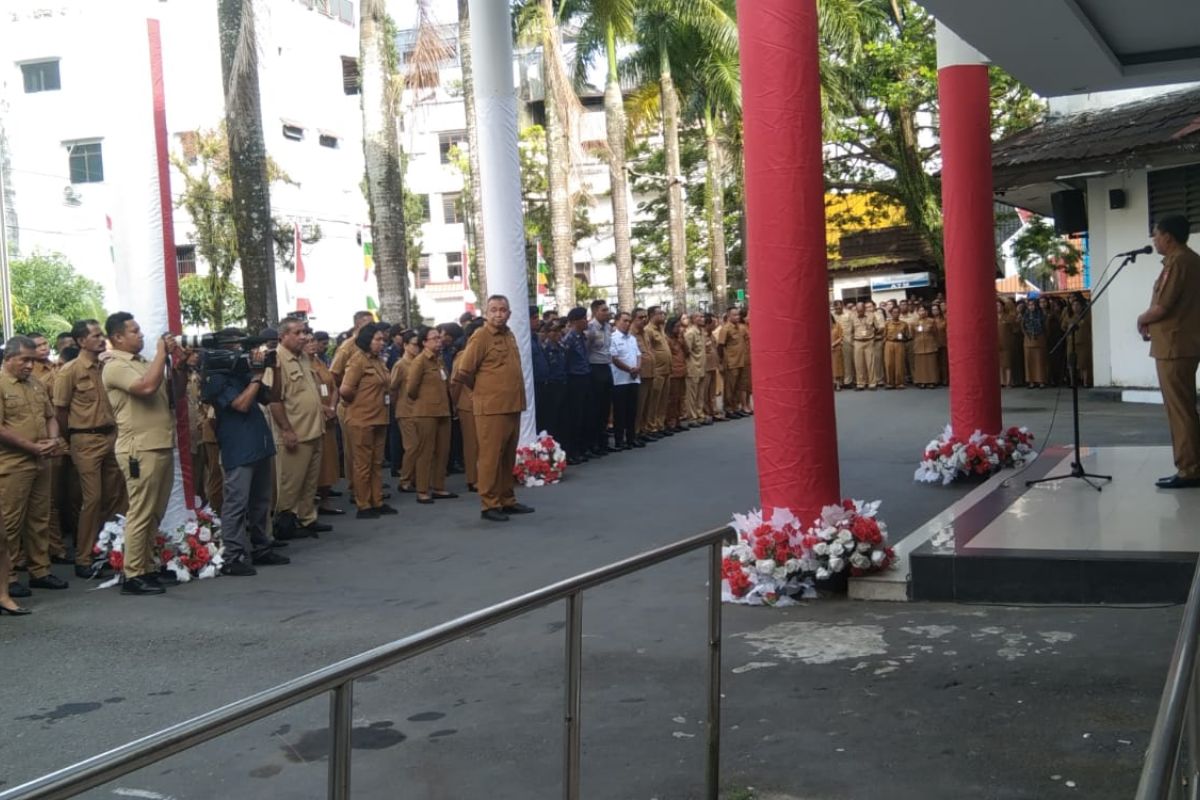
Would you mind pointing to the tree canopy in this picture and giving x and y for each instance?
(48, 296)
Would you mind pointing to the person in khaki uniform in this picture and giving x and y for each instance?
(1172, 326)
(466, 416)
(403, 406)
(365, 390)
(693, 339)
(425, 386)
(641, 321)
(926, 369)
(327, 388)
(45, 372)
(28, 438)
(835, 336)
(734, 347)
(299, 416)
(145, 443)
(660, 354)
(712, 370)
(491, 367)
(863, 330)
(845, 321)
(897, 337)
(341, 359)
(908, 315)
(86, 415)
(876, 352)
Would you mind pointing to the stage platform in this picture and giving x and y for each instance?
(1057, 542)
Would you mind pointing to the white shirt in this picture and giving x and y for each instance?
(624, 347)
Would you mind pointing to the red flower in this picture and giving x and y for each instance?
(116, 560)
(848, 504)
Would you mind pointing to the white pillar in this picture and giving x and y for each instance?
(500, 176)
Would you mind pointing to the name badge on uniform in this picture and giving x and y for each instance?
(324, 390)
(920, 329)
(387, 399)
(443, 371)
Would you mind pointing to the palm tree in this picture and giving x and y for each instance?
(381, 151)
(603, 24)
(468, 84)
(247, 159)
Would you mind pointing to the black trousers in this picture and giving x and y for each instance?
(551, 397)
(625, 400)
(602, 386)
(577, 415)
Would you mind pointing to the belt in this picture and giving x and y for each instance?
(103, 429)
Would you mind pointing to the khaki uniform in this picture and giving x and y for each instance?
(839, 370)
(492, 360)
(926, 369)
(866, 371)
(647, 398)
(24, 477)
(711, 371)
(404, 418)
(1175, 347)
(341, 359)
(366, 424)
(693, 339)
(896, 339)
(735, 341)
(846, 324)
(145, 437)
(327, 387)
(92, 434)
(660, 351)
(425, 387)
(466, 421)
(910, 353)
(877, 350)
(295, 385)
(46, 373)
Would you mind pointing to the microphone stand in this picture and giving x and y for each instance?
(1077, 470)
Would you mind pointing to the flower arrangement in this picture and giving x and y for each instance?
(948, 458)
(540, 463)
(776, 560)
(192, 550)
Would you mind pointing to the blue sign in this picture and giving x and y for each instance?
(889, 283)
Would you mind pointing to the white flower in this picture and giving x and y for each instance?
(821, 549)
(863, 547)
(845, 537)
(877, 557)
(766, 566)
(780, 574)
(792, 565)
(190, 527)
(859, 561)
(836, 564)
(836, 549)
(822, 574)
(205, 535)
(827, 533)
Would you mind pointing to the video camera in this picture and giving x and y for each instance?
(218, 353)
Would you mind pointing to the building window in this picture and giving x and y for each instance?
(329, 140)
(185, 259)
(349, 75)
(1175, 191)
(454, 266)
(448, 140)
(583, 271)
(41, 76)
(325, 7)
(86, 162)
(452, 208)
(426, 216)
(293, 132)
(346, 12)
(422, 271)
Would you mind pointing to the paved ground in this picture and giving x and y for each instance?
(833, 699)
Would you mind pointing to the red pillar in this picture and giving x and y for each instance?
(795, 424)
(969, 236)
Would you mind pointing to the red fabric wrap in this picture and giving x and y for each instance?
(795, 422)
(970, 249)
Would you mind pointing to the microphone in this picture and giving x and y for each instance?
(1141, 251)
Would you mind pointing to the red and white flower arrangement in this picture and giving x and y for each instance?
(540, 463)
(948, 457)
(192, 550)
(776, 559)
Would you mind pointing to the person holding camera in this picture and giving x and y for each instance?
(425, 387)
(246, 452)
(137, 392)
(364, 389)
(299, 414)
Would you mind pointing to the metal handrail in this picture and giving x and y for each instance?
(1168, 771)
(338, 679)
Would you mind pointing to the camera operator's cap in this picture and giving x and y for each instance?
(270, 334)
(321, 336)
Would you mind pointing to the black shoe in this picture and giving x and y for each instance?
(61, 560)
(269, 558)
(385, 510)
(367, 513)
(141, 586)
(16, 589)
(103, 573)
(238, 568)
(445, 496)
(472, 488)
(571, 462)
(665, 432)
(494, 515)
(410, 490)
(518, 508)
(614, 449)
(275, 543)
(455, 469)
(162, 578)
(317, 527)
(1173, 482)
(638, 443)
(48, 582)
(654, 437)
(15, 612)
(425, 501)
(386, 495)
(330, 512)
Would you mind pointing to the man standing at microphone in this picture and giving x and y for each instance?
(1172, 326)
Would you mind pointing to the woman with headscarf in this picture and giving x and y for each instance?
(426, 387)
(365, 391)
(1037, 363)
(403, 409)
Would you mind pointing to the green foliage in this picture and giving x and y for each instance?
(48, 296)
(196, 303)
(1041, 253)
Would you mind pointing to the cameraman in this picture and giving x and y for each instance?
(247, 448)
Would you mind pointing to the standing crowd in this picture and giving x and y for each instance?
(903, 342)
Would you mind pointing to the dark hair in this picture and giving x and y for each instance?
(472, 326)
(410, 336)
(63, 335)
(498, 297)
(396, 330)
(652, 310)
(533, 311)
(321, 336)
(79, 330)
(1176, 226)
(285, 325)
(16, 345)
(576, 314)
(360, 314)
(364, 337)
(672, 325)
(33, 335)
(423, 334)
(69, 353)
(116, 323)
(453, 328)
(466, 317)
(597, 304)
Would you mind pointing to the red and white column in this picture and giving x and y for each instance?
(963, 100)
(795, 424)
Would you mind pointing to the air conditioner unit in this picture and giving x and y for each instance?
(71, 197)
